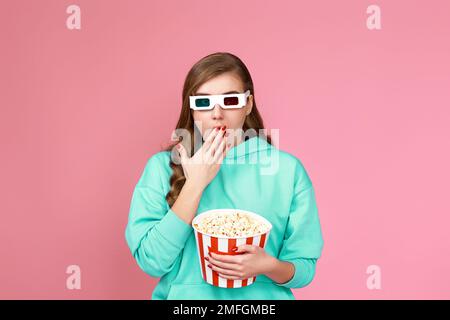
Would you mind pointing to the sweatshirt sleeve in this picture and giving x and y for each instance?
(155, 235)
(303, 242)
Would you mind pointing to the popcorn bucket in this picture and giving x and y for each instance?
(221, 244)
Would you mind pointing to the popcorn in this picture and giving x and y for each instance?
(222, 229)
(234, 224)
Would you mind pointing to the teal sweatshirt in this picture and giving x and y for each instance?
(254, 176)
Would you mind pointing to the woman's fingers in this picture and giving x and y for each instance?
(183, 152)
(221, 152)
(222, 264)
(229, 277)
(214, 132)
(228, 272)
(215, 144)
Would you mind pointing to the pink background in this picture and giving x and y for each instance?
(367, 112)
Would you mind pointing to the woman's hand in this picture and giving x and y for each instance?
(203, 166)
(252, 262)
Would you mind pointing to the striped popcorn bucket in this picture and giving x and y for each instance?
(220, 244)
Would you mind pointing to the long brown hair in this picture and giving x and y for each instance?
(205, 69)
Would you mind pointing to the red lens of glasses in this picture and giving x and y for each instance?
(231, 101)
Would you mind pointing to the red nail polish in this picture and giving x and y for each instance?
(234, 249)
(207, 259)
(209, 266)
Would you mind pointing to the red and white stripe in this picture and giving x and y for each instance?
(224, 246)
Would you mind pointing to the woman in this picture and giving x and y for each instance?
(223, 169)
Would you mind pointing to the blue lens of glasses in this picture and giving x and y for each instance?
(202, 103)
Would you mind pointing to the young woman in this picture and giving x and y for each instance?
(224, 170)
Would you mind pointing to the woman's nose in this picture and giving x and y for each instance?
(217, 111)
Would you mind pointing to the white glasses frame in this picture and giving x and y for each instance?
(219, 99)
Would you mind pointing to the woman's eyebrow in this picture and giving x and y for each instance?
(207, 94)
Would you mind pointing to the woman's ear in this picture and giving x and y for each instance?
(249, 105)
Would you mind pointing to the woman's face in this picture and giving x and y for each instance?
(233, 119)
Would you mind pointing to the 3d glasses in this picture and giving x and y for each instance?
(226, 101)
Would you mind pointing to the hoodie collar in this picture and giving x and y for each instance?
(251, 145)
